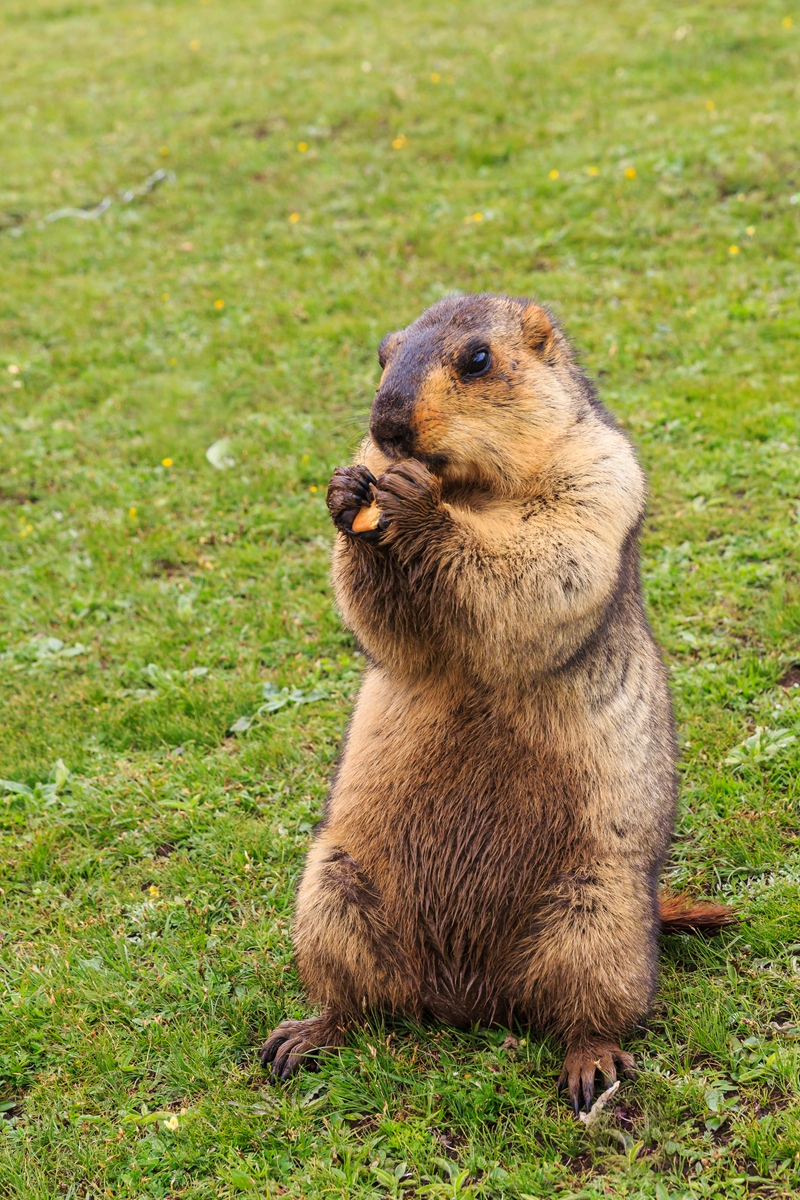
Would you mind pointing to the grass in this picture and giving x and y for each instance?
(148, 597)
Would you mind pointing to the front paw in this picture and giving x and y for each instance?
(407, 494)
(350, 490)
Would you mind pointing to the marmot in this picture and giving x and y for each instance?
(490, 848)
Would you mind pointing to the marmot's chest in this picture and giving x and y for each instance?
(430, 753)
(474, 822)
(426, 760)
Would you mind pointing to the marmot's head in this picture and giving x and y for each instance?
(479, 388)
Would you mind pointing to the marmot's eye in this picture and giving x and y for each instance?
(480, 362)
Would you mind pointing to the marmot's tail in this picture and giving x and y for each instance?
(679, 914)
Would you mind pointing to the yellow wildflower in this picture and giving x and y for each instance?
(294, 218)
(165, 296)
(132, 512)
(554, 174)
(750, 230)
(787, 22)
(302, 147)
(313, 488)
(733, 249)
(400, 141)
(592, 170)
(166, 462)
(154, 891)
(163, 151)
(630, 172)
(219, 304)
(710, 105)
(172, 1123)
(194, 45)
(435, 77)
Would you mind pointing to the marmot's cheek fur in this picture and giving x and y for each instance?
(505, 796)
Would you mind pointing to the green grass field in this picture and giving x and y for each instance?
(335, 167)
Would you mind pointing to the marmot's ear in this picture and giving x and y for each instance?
(537, 329)
(388, 346)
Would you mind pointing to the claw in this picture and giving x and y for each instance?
(626, 1064)
(286, 1056)
(584, 1063)
(363, 488)
(269, 1050)
(292, 1045)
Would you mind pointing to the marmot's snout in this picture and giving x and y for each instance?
(390, 419)
(391, 432)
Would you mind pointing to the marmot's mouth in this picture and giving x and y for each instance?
(397, 447)
(434, 462)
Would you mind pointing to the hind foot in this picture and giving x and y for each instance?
(295, 1044)
(587, 1059)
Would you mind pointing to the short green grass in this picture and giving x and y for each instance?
(633, 164)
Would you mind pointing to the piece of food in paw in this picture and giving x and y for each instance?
(366, 519)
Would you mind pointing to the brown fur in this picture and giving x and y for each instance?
(680, 915)
(506, 792)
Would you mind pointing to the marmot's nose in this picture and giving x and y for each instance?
(394, 437)
(390, 427)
